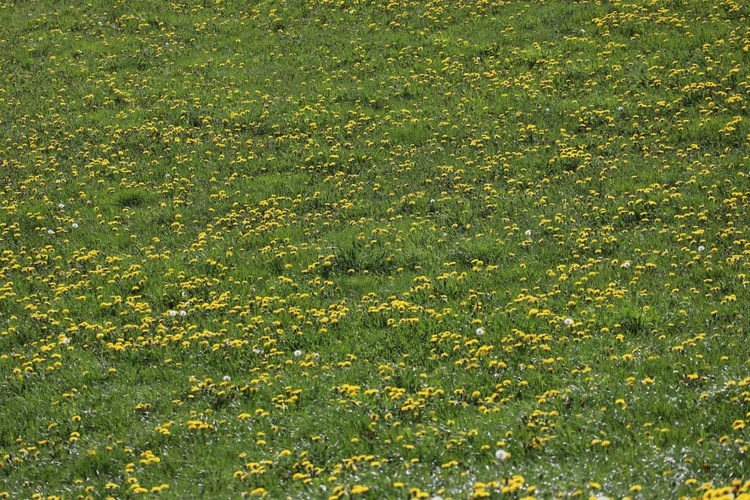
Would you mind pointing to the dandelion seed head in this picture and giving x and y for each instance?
(75, 225)
(480, 331)
(568, 321)
(172, 313)
(183, 314)
(226, 378)
(298, 353)
(501, 454)
(528, 232)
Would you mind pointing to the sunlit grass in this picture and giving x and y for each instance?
(373, 249)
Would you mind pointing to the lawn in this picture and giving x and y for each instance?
(370, 249)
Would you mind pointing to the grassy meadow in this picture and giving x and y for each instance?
(374, 249)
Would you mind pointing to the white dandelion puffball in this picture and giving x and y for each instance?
(298, 353)
(568, 321)
(528, 232)
(172, 313)
(227, 378)
(480, 331)
(501, 455)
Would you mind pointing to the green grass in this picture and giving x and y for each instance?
(353, 249)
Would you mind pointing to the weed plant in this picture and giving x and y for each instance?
(358, 248)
